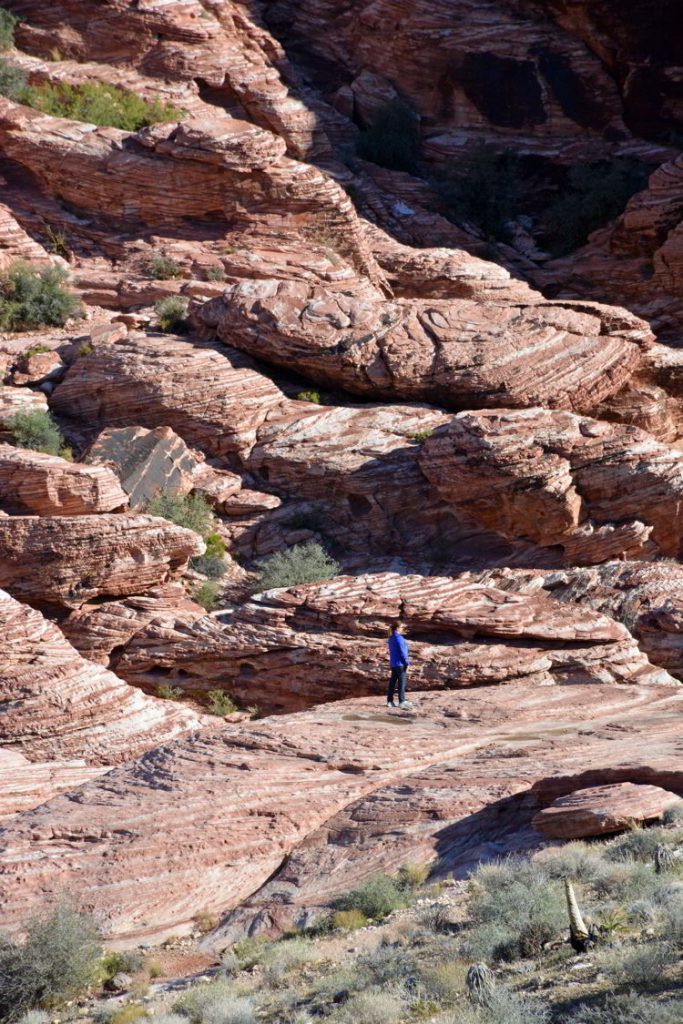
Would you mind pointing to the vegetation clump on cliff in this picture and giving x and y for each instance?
(35, 297)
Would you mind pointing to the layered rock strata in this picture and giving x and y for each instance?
(601, 809)
(46, 485)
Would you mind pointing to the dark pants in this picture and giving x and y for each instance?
(398, 678)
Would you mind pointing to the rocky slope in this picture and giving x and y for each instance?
(487, 440)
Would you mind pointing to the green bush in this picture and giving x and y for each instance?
(376, 898)
(674, 815)
(303, 563)
(212, 562)
(118, 963)
(393, 138)
(207, 595)
(191, 511)
(35, 297)
(506, 1007)
(516, 908)
(8, 23)
(285, 957)
(486, 188)
(171, 314)
(58, 960)
(38, 431)
(250, 950)
(309, 396)
(163, 268)
(375, 1006)
(98, 103)
(412, 876)
(349, 920)
(220, 703)
(638, 844)
(167, 692)
(215, 274)
(594, 195)
(641, 966)
(12, 81)
(35, 1017)
(215, 1003)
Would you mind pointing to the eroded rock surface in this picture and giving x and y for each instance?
(600, 809)
(46, 485)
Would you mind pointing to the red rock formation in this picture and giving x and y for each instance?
(600, 809)
(25, 784)
(243, 798)
(291, 649)
(461, 353)
(38, 484)
(14, 400)
(67, 560)
(597, 489)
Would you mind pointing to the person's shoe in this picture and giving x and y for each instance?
(390, 704)
(406, 704)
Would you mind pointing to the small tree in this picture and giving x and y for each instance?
(303, 563)
(36, 430)
(35, 297)
(12, 80)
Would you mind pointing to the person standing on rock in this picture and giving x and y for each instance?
(398, 661)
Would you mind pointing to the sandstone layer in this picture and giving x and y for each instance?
(600, 809)
(32, 483)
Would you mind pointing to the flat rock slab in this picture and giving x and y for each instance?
(600, 809)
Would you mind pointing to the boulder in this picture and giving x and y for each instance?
(68, 560)
(33, 483)
(15, 400)
(560, 479)
(601, 809)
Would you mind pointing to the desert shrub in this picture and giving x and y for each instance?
(516, 907)
(35, 1017)
(629, 1008)
(412, 876)
(376, 898)
(163, 268)
(220, 703)
(303, 563)
(673, 815)
(212, 562)
(641, 966)
(8, 23)
(282, 958)
(506, 1007)
(419, 435)
(393, 138)
(116, 963)
(207, 595)
(443, 982)
(58, 960)
(250, 950)
(130, 1013)
(98, 103)
(485, 188)
(594, 195)
(167, 692)
(374, 1006)
(215, 274)
(12, 80)
(191, 511)
(169, 1018)
(171, 314)
(86, 348)
(36, 430)
(35, 297)
(576, 861)
(638, 844)
(34, 350)
(387, 963)
(626, 880)
(309, 396)
(349, 920)
(215, 1003)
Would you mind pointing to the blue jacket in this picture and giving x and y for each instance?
(398, 651)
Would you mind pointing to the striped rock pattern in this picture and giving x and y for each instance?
(598, 489)
(243, 798)
(290, 649)
(600, 809)
(14, 400)
(33, 483)
(56, 709)
(461, 353)
(67, 560)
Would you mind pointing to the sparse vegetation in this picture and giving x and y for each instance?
(191, 511)
(215, 274)
(207, 595)
(303, 563)
(167, 692)
(58, 960)
(393, 138)
(212, 562)
(98, 103)
(375, 899)
(348, 920)
(309, 396)
(35, 297)
(38, 431)
(163, 268)
(419, 435)
(215, 1003)
(12, 80)
(8, 24)
(220, 703)
(484, 188)
(171, 314)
